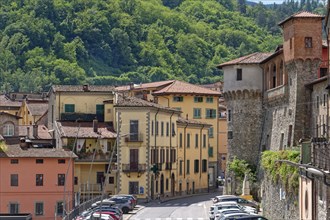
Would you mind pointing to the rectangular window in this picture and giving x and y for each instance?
(39, 161)
(230, 135)
(134, 130)
(13, 208)
(198, 99)
(111, 180)
(167, 155)
(239, 74)
(14, 161)
(323, 72)
(173, 129)
(167, 129)
(173, 155)
(100, 111)
(59, 208)
(196, 140)
(180, 140)
(156, 131)
(209, 99)
(162, 128)
(188, 140)
(211, 132)
(162, 155)
(204, 166)
(39, 179)
(133, 188)
(180, 168)
(204, 140)
(188, 166)
(177, 98)
(317, 101)
(325, 97)
(197, 113)
(152, 128)
(308, 42)
(39, 208)
(196, 166)
(60, 179)
(166, 184)
(13, 179)
(290, 43)
(229, 115)
(61, 161)
(210, 151)
(75, 180)
(211, 113)
(69, 108)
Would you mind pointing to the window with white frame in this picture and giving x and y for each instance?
(8, 129)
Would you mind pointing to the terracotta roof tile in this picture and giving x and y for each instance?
(37, 109)
(254, 58)
(5, 101)
(145, 85)
(80, 88)
(17, 152)
(192, 122)
(179, 87)
(70, 130)
(302, 14)
(137, 102)
(42, 132)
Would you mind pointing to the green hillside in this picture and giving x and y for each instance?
(45, 42)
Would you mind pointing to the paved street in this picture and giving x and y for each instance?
(192, 207)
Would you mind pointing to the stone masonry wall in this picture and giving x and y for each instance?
(245, 123)
(276, 206)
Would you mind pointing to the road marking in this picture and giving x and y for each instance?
(168, 204)
(189, 218)
(185, 204)
(176, 204)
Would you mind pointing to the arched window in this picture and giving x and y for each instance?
(8, 129)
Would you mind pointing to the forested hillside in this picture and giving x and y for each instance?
(45, 42)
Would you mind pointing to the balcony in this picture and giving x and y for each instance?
(134, 167)
(168, 166)
(99, 157)
(320, 155)
(73, 116)
(276, 93)
(134, 138)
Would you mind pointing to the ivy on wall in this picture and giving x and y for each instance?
(280, 172)
(240, 168)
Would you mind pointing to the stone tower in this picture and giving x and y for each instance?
(243, 86)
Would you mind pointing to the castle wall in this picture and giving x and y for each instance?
(245, 123)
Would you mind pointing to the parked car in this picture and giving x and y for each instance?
(132, 197)
(105, 202)
(89, 211)
(123, 203)
(214, 209)
(99, 216)
(217, 198)
(251, 217)
(239, 200)
(114, 215)
(233, 216)
(224, 212)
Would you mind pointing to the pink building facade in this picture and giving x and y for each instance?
(36, 181)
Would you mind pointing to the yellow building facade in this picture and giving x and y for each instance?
(146, 141)
(200, 104)
(78, 119)
(193, 158)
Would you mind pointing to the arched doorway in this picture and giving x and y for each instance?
(172, 184)
(162, 184)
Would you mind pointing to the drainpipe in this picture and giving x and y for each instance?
(200, 151)
(184, 151)
(170, 133)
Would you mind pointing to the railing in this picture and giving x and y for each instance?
(101, 157)
(321, 155)
(134, 138)
(72, 116)
(276, 92)
(168, 166)
(133, 167)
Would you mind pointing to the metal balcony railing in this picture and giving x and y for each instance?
(133, 167)
(320, 155)
(134, 138)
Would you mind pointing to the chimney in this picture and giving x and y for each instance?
(95, 126)
(85, 88)
(35, 131)
(28, 132)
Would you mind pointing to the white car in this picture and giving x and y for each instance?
(229, 205)
(224, 212)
